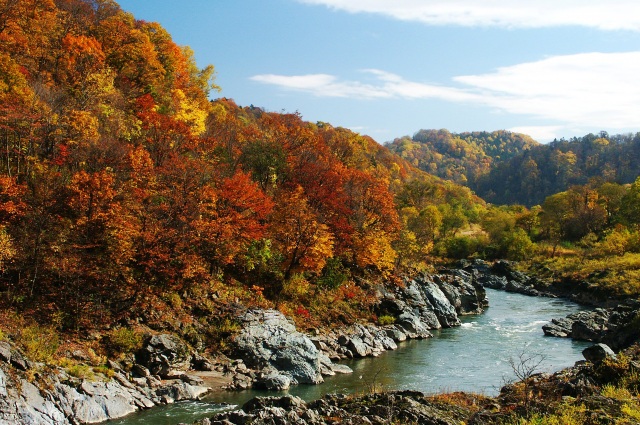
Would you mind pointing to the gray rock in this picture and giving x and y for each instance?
(268, 339)
(395, 333)
(5, 351)
(443, 309)
(177, 391)
(19, 361)
(3, 384)
(164, 354)
(358, 347)
(192, 379)
(202, 363)
(617, 327)
(590, 326)
(559, 327)
(551, 329)
(466, 295)
(413, 326)
(341, 368)
(36, 409)
(140, 371)
(598, 353)
(274, 382)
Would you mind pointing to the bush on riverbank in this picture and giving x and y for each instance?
(610, 276)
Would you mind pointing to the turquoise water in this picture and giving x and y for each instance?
(473, 357)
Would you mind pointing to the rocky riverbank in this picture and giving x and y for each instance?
(275, 355)
(34, 393)
(268, 353)
(599, 390)
(618, 327)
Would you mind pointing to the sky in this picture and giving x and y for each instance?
(388, 68)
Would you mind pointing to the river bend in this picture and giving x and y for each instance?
(473, 357)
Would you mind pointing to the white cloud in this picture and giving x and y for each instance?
(596, 89)
(583, 90)
(386, 86)
(324, 85)
(604, 15)
(541, 133)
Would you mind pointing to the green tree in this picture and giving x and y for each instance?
(518, 245)
(630, 205)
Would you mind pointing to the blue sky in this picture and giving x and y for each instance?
(388, 68)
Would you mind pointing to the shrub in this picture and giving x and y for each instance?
(173, 300)
(386, 320)
(105, 370)
(518, 245)
(458, 247)
(566, 414)
(631, 411)
(40, 343)
(221, 330)
(125, 340)
(296, 287)
(333, 275)
(81, 371)
(618, 393)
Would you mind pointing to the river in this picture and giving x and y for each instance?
(473, 357)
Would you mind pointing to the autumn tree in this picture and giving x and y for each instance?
(304, 243)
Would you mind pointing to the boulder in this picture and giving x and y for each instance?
(395, 333)
(465, 294)
(558, 327)
(412, 326)
(273, 382)
(178, 390)
(442, 307)
(357, 347)
(598, 353)
(617, 327)
(268, 339)
(164, 354)
(341, 368)
(19, 361)
(590, 326)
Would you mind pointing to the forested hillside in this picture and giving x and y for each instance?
(463, 157)
(125, 192)
(510, 168)
(547, 169)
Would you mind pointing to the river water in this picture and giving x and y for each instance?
(473, 357)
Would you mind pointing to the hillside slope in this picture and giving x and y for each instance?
(126, 193)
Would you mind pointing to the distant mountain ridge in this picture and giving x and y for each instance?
(511, 168)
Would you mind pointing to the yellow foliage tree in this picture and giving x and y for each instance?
(189, 112)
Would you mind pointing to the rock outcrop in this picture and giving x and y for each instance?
(395, 407)
(269, 340)
(503, 276)
(59, 398)
(272, 354)
(618, 327)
